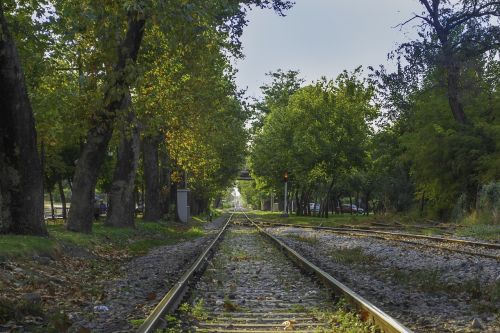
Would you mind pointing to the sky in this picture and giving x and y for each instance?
(322, 38)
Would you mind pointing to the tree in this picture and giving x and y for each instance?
(453, 33)
(319, 136)
(21, 189)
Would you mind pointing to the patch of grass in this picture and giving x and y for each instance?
(138, 241)
(306, 239)
(343, 320)
(485, 296)
(426, 280)
(351, 256)
(239, 255)
(136, 322)
(297, 308)
(198, 311)
(490, 232)
(18, 245)
(173, 324)
(334, 220)
(158, 233)
(229, 306)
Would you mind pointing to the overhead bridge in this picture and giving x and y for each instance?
(244, 175)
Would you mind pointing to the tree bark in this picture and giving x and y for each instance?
(121, 211)
(454, 93)
(63, 198)
(152, 209)
(93, 154)
(51, 199)
(350, 203)
(21, 178)
(164, 179)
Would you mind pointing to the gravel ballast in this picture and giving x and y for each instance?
(427, 289)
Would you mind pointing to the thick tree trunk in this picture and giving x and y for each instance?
(367, 197)
(63, 198)
(121, 211)
(454, 93)
(95, 149)
(152, 209)
(21, 179)
(164, 182)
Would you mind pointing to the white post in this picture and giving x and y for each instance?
(182, 205)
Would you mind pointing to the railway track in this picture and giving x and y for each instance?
(244, 282)
(483, 249)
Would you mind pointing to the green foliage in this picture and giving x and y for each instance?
(321, 133)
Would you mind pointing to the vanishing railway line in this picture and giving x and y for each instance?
(244, 282)
(474, 248)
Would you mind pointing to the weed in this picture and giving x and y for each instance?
(173, 324)
(298, 308)
(198, 311)
(239, 255)
(351, 256)
(229, 306)
(136, 322)
(343, 320)
(305, 239)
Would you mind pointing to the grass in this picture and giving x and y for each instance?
(334, 220)
(485, 296)
(18, 246)
(138, 241)
(306, 239)
(474, 228)
(351, 256)
(490, 232)
(343, 320)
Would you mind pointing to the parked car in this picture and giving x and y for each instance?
(314, 207)
(347, 208)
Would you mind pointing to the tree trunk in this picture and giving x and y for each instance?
(63, 198)
(454, 93)
(350, 203)
(367, 197)
(21, 178)
(152, 209)
(51, 199)
(121, 211)
(95, 149)
(422, 203)
(164, 182)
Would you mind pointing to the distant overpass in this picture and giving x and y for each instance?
(244, 175)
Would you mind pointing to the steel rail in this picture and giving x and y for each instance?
(172, 299)
(368, 311)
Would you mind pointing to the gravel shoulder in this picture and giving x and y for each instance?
(427, 289)
(78, 289)
(144, 282)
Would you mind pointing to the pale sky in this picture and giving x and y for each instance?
(322, 38)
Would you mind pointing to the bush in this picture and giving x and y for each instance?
(488, 205)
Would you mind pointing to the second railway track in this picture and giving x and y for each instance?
(246, 283)
(474, 248)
